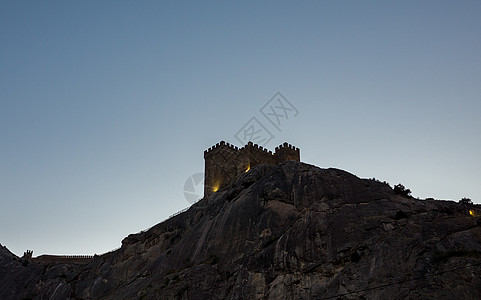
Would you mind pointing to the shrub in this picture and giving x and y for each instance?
(399, 189)
(466, 201)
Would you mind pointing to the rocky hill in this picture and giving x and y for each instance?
(291, 231)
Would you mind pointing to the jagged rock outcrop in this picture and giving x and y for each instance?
(291, 231)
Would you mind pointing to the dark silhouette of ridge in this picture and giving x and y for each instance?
(284, 231)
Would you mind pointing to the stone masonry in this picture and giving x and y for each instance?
(225, 162)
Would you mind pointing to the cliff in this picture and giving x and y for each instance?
(287, 231)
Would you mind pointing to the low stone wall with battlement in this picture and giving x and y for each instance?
(64, 258)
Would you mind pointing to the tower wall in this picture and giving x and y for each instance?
(220, 166)
(286, 152)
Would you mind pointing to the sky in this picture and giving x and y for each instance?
(106, 107)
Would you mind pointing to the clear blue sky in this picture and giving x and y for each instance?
(106, 107)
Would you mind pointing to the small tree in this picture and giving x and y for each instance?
(465, 201)
(399, 189)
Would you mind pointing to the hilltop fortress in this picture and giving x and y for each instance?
(225, 162)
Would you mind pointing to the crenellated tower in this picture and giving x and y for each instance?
(225, 162)
(220, 166)
(286, 152)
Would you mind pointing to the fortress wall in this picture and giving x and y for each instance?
(252, 155)
(64, 258)
(225, 162)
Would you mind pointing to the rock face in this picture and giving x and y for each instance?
(291, 231)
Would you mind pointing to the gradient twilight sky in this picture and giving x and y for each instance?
(106, 107)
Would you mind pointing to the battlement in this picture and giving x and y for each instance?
(257, 147)
(220, 145)
(286, 145)
(225, 162)
(287, 152)
(64, 258)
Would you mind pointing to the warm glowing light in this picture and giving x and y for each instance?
(471, 212)
(215, 188)
(248, 168)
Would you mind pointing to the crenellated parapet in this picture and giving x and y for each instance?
(286, 152)
(287, 146)
(256, 148)
(221, 145)
(224, 162)
(64, 258)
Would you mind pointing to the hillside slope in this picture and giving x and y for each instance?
(291, 231)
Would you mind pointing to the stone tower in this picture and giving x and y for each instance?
(225, 162)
